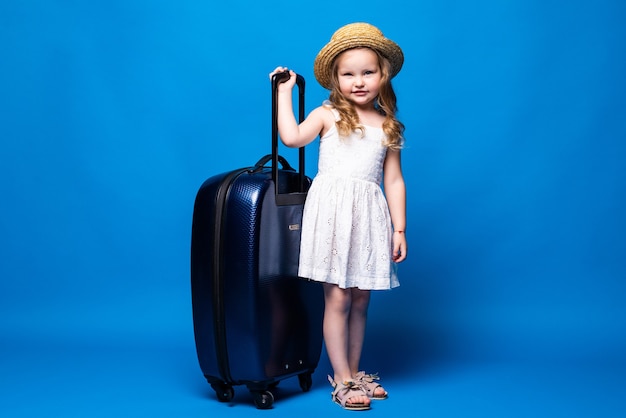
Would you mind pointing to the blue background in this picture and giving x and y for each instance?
(113, 113)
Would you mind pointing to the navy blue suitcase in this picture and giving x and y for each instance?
(255, 322)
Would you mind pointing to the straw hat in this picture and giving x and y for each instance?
(351, 36)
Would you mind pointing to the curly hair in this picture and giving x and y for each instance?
(385, 104)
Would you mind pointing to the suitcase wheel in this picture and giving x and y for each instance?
(263, 399)
(224, 392)
(306, 381)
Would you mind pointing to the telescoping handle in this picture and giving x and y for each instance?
(287, 198)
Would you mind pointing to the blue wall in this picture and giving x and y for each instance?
(113, 113)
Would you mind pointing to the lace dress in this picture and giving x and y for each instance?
(346, 226)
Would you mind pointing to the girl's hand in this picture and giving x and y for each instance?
(399, 246)
(287, 85)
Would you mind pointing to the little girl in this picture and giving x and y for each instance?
(352, 236)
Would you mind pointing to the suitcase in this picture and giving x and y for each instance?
(255, 322)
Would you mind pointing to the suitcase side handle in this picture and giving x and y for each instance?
(266, 158)
(291, 198)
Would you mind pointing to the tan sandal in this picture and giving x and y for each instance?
(369, 384)
(343, 392)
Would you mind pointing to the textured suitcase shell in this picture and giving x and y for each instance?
(255, 321)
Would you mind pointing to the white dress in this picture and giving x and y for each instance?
(346, 226)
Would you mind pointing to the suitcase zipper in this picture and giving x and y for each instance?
(221, 346)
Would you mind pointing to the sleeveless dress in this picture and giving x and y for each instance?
(346, 226)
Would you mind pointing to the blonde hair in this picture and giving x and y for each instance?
(385, 104)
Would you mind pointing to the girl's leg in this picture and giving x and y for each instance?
(356, 335)
(336, 335)
(356, 327)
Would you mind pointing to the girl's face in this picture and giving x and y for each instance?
(359, 75)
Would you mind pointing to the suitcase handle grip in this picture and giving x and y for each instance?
(279, 78)
(264, 160)
(276, 80)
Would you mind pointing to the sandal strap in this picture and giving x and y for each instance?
(369, 383)
(367, 378)
(345, 391)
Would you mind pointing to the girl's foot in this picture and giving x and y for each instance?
(349, 395)
(369, 384)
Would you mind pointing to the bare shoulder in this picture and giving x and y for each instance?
(324, 115)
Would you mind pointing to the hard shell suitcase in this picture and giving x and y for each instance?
(255, 322)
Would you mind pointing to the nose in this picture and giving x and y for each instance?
(359, 81)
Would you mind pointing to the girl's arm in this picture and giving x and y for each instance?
(395, 191)
(291, 133)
